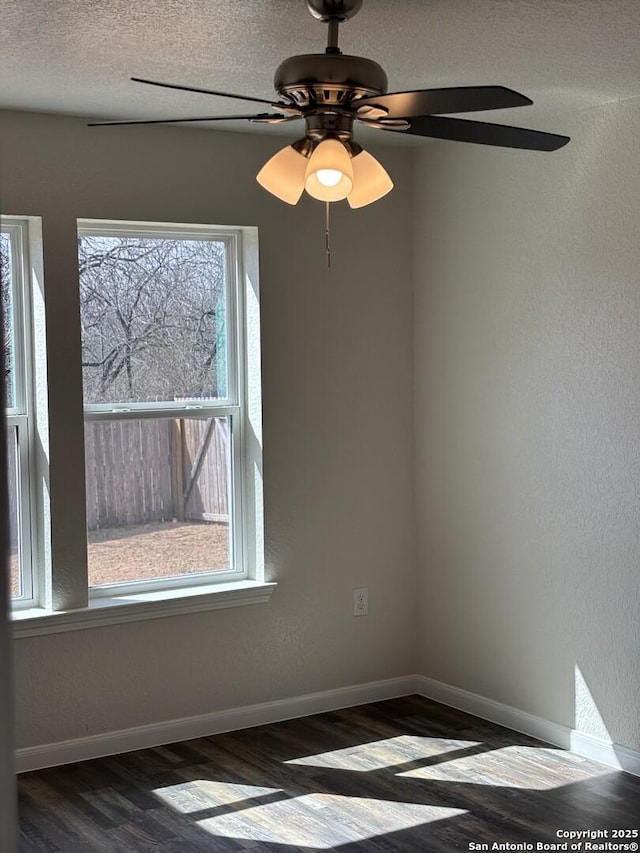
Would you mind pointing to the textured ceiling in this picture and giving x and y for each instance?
(76, 56)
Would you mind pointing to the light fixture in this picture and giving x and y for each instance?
(329, 175)
(329, 169)
(370, 180)
(284, 174)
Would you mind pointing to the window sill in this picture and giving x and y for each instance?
(141, 606)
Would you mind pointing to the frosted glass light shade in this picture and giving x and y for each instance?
(284, 175)
(329, 157)
(370, 180)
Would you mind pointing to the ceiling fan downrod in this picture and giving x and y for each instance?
(333, 13)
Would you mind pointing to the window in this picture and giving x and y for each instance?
(169, 330)
(18, 402)
(164, 390)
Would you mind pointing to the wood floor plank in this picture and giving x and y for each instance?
(403, 776)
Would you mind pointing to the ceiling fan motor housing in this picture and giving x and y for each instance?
(328, 79)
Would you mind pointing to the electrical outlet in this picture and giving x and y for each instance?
(361, 601)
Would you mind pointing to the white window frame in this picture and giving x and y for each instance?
(21, 415)
(232, 407)
(129, 602)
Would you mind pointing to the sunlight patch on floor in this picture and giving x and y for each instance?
(381, 754)
(188, 797)
(526, 767)
(323, 821)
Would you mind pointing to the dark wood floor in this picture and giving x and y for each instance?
(403, 775)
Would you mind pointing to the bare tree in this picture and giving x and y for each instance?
(6, 312)
(153, 318)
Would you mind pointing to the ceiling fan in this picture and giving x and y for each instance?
(331, 91)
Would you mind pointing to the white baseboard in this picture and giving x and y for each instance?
(495, 712)
(172, 731)
(614, 755)
(620, 757)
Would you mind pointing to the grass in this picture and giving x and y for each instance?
(147, 551)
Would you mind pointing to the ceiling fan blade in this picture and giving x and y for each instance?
(460, 99)
(273, 118)
(196, 89)
(483, 133)
(263, 117)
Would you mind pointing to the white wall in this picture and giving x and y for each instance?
(527, 370)
(337, 365)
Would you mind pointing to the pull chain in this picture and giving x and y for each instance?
(327, 236)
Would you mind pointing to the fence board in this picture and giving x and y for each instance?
(132, 471)
(12, 487)
(208, 500)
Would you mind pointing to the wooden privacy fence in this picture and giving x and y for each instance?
(151, 470)
(12, 491)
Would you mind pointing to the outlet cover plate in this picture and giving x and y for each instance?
(361, 601)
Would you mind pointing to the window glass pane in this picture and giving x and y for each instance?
(153, 314)
(15, 572)
(7, 318)
(158, 498)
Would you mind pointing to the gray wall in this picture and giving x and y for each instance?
(7, 780)
(526, 377)
(337, 366)
(8, 832)
(527, 367)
